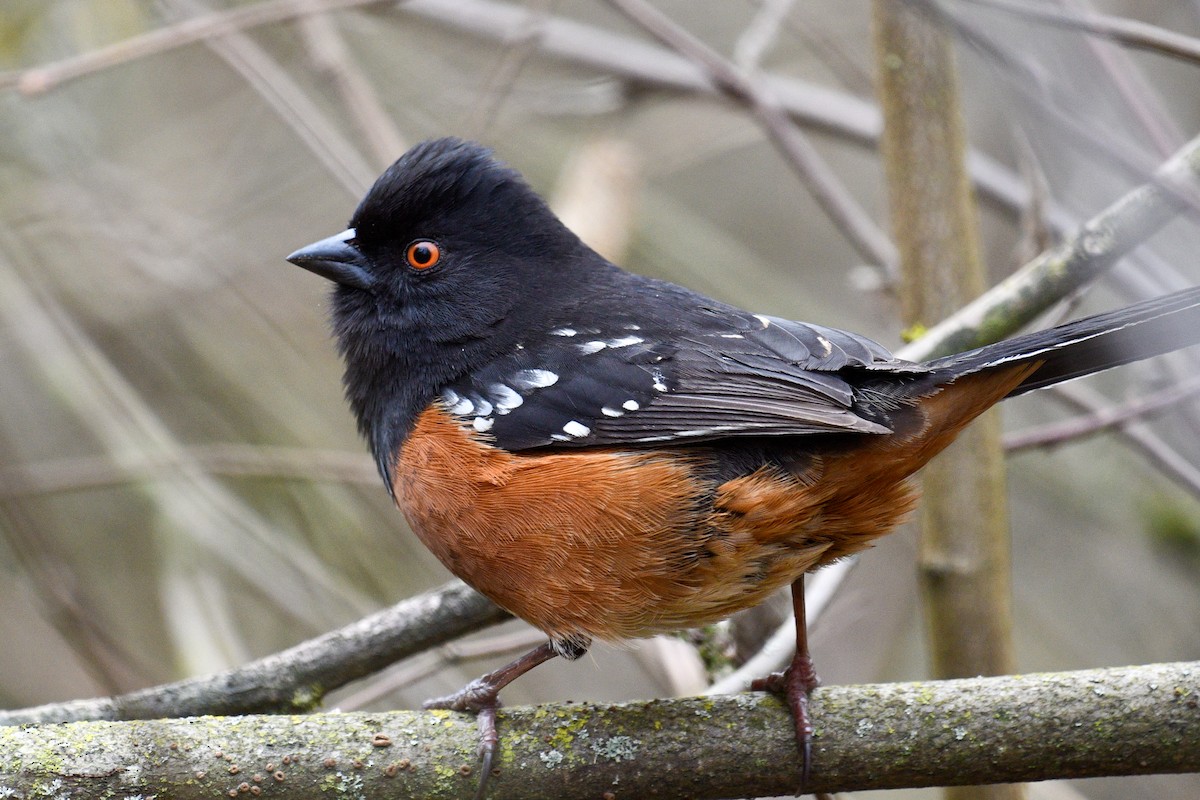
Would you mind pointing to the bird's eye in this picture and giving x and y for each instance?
(422, 254)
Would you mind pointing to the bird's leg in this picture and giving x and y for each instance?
(795, 683)
(482, 697)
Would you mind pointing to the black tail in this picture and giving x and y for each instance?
(1092, 344)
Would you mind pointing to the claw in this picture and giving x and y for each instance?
(482, 698)
(474, 697)
(795, 683)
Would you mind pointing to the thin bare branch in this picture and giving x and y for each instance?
(761, 33)
(1027, 80)
(825, 109)
(827, 189)
(296, 679)
(1129, 32)
(1114, 232)
(227, 459)
(284, 95)
(221, 23)
(503, 77)
(360, 101)
(76, 369)
(64, 606)
(1103, 419)
(1140, 438)
(1140, 96)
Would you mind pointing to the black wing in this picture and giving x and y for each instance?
(715, 373)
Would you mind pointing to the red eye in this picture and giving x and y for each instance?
(422, 254)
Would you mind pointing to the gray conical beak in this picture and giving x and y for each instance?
(337, 259)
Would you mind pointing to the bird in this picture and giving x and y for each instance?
(610, 456)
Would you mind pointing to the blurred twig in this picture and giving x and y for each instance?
(503, 77)
(1088, 138)
(824, 185)
(77, 370)
(296, 679)
(229, 459)
(1138, 94)
(360, 101)
(220, 23)
(815, 106)
(761, 33)
(284, 95)
(65, 607)
(597, 193)
(1129, 32)
(1102, 419)
(1036, 236)
(1138, 437)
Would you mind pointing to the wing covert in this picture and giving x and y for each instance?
(724, 374)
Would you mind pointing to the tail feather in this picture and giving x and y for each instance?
(1088, 345)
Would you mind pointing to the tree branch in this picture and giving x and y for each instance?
(1098, 243)
(1102, 419)
(1129, 32)
(296, 679)
(799, 153)
(1094, 723)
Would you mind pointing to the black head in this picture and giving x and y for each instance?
(448, 240)
(449, 253)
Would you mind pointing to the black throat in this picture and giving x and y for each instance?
(394, 369)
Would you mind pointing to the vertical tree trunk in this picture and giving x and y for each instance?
(964, 539)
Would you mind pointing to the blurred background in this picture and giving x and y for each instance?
(181, 485)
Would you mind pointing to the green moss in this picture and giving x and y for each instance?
(1172, 527)
(307, 698)
(913, 332)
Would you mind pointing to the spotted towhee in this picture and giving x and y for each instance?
(611, 456)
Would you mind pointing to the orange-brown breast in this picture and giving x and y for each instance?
(615, 544)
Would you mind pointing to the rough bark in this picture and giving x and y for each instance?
(1093, 723)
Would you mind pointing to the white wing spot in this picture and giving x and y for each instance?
(732, 336)
(611, 412)
(632, 326)
(563, 332)
(462, 407)
(504, 398)
(766, 322)
(482, 424)
(630, 405)
(574, 428)
(587, 348)
(534, 379)
(825, 343)
(482, 407)
(624, 341)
